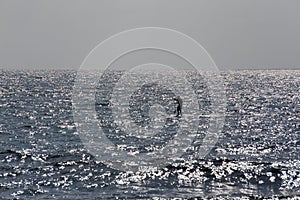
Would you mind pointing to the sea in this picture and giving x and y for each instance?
(43, 156)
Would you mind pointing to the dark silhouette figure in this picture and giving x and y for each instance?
(179, 106)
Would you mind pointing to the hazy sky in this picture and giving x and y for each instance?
(237, 33)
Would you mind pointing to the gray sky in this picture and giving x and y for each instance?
(237, 33)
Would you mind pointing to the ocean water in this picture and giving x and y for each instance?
(43, 157)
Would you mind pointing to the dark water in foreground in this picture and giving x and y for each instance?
(42, 156)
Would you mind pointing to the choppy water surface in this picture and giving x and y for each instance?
(42, 156)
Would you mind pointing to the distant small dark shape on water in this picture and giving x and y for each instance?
(179, 106)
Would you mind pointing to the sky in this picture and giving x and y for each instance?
(238, 34)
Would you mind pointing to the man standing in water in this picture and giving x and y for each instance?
(179, 106)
